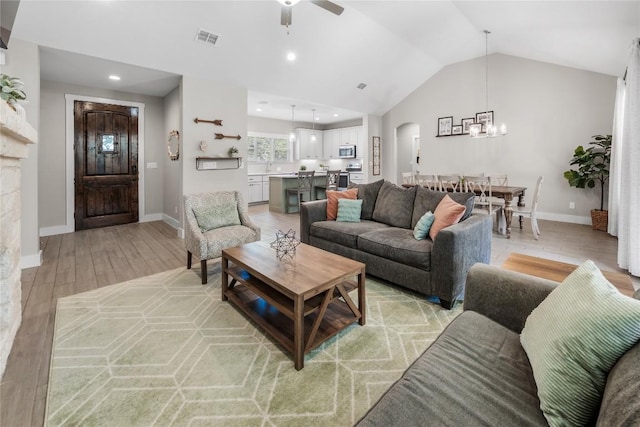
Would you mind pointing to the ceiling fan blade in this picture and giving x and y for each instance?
(329, 6)
(285, 16)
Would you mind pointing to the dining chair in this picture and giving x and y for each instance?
(427, 181)
(407, 178)
(531, 213)
(481, 186)
(304, 186)
(498, 180)
(451, 183)
(333, 178)
(213, 222)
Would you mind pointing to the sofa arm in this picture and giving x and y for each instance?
(504, 296)
(455, 249)
(311, 212)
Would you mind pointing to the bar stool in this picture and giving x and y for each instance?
(305, 185)
(333, 178)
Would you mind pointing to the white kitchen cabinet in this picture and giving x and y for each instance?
(353, 136)
(356, 177)
(306, 148)
(331, 142)
(258, 188)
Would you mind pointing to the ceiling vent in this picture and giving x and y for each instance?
(361, 86)
(207, 37)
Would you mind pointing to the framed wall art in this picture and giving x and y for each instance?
(485, 118)
(444, 126)
(466, 123)
(376, 155)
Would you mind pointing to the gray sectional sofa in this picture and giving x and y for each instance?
(477, 373)
(384, 240)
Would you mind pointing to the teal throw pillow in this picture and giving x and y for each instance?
(573, 339)
(215, 216)
(349, 210)
(421, 230)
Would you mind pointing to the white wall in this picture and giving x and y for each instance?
(23, 61)
(52, 195)
(172, 170)
(549, 110)
(213, 100)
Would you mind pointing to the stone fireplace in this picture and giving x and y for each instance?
(16, 134)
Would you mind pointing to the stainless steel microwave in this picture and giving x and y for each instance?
(347, 152)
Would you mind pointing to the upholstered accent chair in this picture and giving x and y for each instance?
(213, 222)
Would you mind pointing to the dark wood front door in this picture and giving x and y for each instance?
(106, 164)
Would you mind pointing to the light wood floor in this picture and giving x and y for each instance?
(86, 260)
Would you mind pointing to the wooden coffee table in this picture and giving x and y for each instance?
(300, 302)
(558, 271)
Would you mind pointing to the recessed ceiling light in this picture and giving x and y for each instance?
(114, 77)
(291, 56)
(336, 115)
(317, 118)
(258, 109)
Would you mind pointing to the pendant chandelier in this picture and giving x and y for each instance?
(292, 134)
(490, 129)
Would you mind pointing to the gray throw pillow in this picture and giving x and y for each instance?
(394, 205)
(368, 193)
(427, 200)
(214, 216)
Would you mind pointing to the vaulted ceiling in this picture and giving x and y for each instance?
(391, 46)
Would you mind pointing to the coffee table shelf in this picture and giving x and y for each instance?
(258, 301)
(301, 305)
(279, 301)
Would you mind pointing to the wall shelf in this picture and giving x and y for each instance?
(218, 163)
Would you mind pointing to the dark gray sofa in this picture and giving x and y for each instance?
(384, 241)
(477, 373)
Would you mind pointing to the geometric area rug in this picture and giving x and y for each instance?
(164, 350)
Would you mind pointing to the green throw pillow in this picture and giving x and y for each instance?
(421, 230)
(216, 216)
(573, 339)
(349, 210)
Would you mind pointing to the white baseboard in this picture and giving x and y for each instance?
(28, 261)
(171, 221)
(575, 219)
(152, 217)
(174, 223)
(56, 229)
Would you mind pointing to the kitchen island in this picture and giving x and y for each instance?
(279, 183)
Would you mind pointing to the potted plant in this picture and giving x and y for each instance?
(12, 91)
(593, 168)
(233, 151)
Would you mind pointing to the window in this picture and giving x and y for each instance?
(262, 147)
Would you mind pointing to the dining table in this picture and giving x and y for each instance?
(506, 192)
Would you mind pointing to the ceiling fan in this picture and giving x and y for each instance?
(287, 6)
